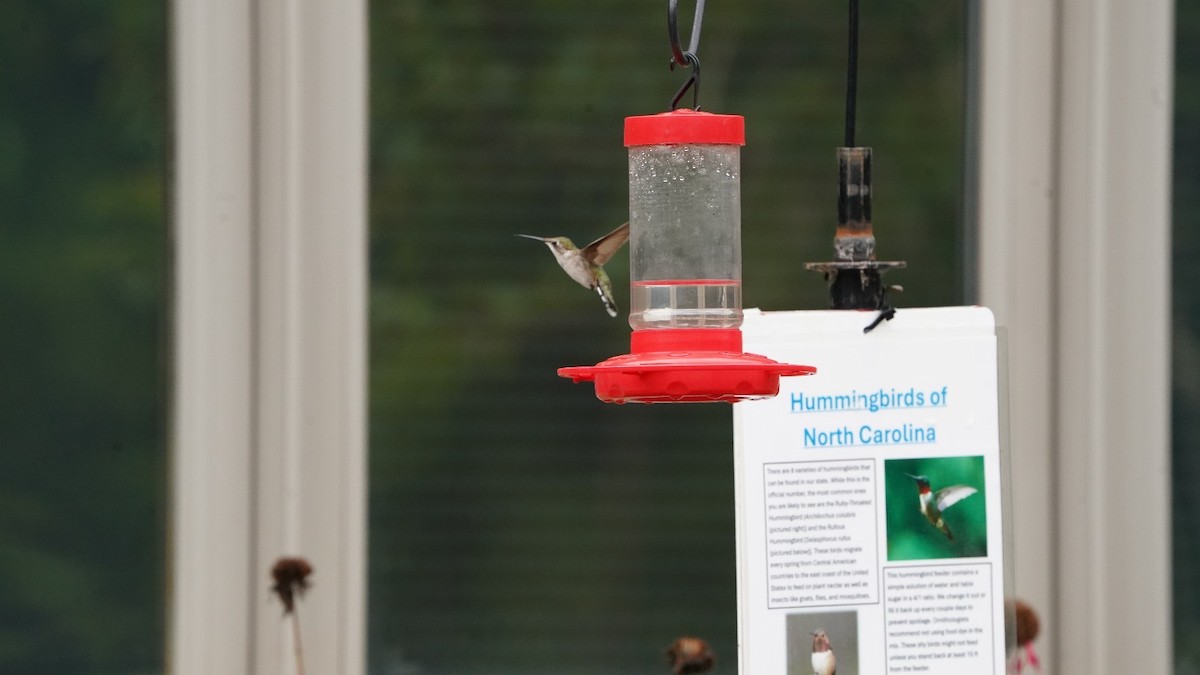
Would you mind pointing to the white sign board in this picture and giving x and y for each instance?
(869, 497)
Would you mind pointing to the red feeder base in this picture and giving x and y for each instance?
(685, 365)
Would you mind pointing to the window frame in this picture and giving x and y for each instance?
(1074, 221)
(268, 442)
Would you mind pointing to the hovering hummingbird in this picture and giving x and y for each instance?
(585, 265)
(824, 662)
(934, 503)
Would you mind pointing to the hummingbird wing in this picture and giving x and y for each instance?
(600, 251)
(949, 496)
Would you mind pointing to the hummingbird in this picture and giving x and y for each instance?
(824, 662)
(934, 503)
(585, 265)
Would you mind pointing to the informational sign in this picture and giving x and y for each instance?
(869, 497)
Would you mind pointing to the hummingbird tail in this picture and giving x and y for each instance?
(609, 304)
(946, 530)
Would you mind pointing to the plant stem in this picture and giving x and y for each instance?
(296, 640)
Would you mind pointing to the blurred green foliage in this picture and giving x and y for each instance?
(517, 524)
(909, 535)
(83, 291)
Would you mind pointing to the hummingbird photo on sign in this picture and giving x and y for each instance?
(936, 508)
(822, 643)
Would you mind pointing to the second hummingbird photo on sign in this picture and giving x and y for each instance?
(822, 643)
(586, 265)
(936, 508)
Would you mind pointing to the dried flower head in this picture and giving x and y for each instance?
(1021, 623)
(291, 580)
(690, 655)
(1027, 623)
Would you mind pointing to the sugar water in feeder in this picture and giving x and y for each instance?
(685, 220)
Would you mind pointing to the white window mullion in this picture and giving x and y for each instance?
(1075, 257)
(1113, 336)
(1016, 221)
(212, 589)
(269, 455)
(311, 140)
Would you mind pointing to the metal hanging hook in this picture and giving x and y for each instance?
(693, 83)
(685, 58)
(673, 31)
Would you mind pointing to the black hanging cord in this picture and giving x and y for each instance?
(685, 58)
(852, 75)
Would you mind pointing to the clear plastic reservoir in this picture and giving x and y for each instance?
(685, 247)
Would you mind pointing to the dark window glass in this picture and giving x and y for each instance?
(1185, 343)
(83, 292)
(518, 525)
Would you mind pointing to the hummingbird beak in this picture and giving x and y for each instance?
(912, 476)
(530, 236)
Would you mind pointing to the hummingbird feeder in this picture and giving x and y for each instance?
(855, 276)
(685, 262)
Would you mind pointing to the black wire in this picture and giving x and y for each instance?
(852, 75)
(697, 22)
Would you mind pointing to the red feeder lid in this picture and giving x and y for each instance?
(684, 126)
(685, 365)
